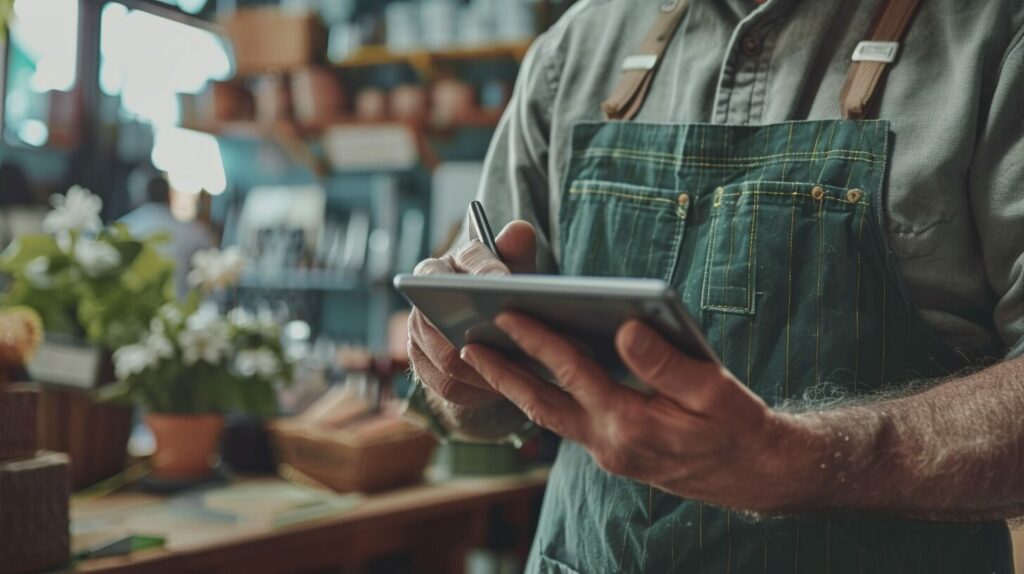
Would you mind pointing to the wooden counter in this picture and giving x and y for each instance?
(430, 526)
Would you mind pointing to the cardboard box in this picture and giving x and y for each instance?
(274, 40)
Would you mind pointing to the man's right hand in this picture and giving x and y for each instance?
(435, 361)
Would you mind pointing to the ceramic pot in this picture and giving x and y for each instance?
(185, 444)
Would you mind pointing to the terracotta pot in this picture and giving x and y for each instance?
(185, 444)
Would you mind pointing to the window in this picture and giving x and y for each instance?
(147, 61)
(40, 106)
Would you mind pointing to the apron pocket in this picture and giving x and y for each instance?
(621, 230)
(729, 272)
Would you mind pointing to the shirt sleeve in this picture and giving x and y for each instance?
(515, 183)
(997, 197)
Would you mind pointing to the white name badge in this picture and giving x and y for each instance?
(876, 52)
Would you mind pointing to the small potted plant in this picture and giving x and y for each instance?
(95, 288)
(193, 365)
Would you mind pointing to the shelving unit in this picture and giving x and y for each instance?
(426, 62)
(357, 306)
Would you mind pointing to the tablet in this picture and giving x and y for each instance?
(589, 310)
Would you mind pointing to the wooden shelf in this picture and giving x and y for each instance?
(425, 61)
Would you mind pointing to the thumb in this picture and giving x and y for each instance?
(517, 244)
(699, 386)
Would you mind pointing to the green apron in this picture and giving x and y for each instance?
(774, 237)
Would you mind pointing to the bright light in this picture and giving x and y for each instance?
(191, 159)
(47, 31)
(33, 132)
(148, 60)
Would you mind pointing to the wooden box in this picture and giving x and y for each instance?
(274, 40)
(334, 460)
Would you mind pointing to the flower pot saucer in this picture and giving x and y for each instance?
(171, 485)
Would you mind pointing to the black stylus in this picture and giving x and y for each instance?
(483, 227)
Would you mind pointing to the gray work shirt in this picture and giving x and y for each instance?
(955, 100)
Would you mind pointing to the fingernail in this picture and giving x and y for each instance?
(502, 320)
(466, 354)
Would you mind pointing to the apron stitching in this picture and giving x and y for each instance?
(855, 165)
(641, 198)
(723, 163)
(765, 570)
(789, 304)
(789, 145)
(856, 312)
(790, 155)
(796, 557)
(728, 540)
(824, 165)
(794, 193)
(817, 318)
(629, 241)
(710, 255)
(828, 545)
(700, 542)
(751, 254)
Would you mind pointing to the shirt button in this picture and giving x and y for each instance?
(751, 45)
(683, 199)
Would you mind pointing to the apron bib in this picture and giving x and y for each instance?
(774, 238)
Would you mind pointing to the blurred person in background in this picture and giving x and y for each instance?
(186, 237)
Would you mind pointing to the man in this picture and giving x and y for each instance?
(878, 255)
(186, 238)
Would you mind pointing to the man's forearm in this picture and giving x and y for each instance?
(954, 452)
(490, 421)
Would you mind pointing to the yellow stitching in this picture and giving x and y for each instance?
(817, 318)
(722, 164)
(798, 155)
(584, 191)
(856, 311)
(750, 258)
(793, 194)
(789, 303)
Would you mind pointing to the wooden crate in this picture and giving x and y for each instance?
(93, 434)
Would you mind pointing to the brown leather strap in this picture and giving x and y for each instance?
(638, 70)
(864, 77)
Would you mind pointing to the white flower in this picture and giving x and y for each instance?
(262, 362)
(160, 345)
(262, 322)
(78, 210)
(170, 314)
(214, 269)
(37, 273)
(96, 257)
(206, 337)
(132, 360)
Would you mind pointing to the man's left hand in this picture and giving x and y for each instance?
(700, 435)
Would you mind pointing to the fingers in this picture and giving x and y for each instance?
(474, 258)
(449, 388)
(441, 353)
(576, 373)
(433, 267)
(543, 403)
(705, 388)
(517, 244)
